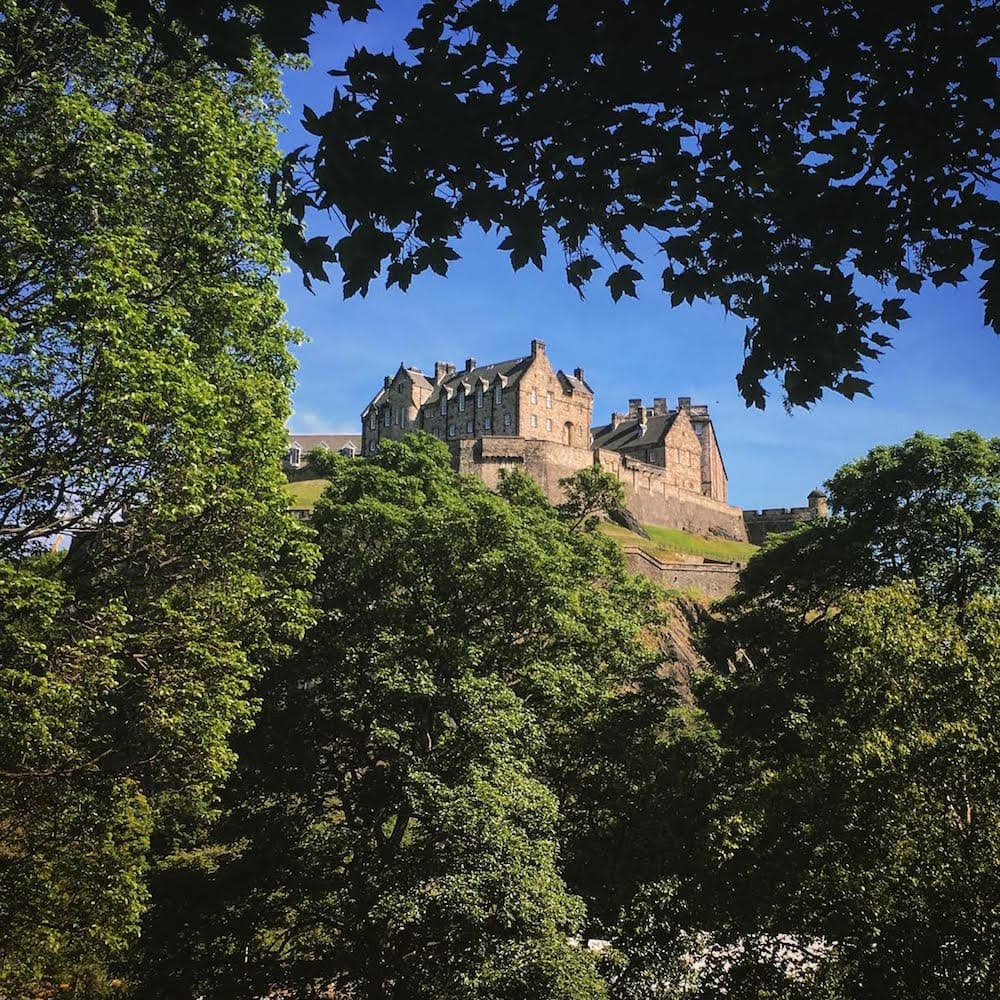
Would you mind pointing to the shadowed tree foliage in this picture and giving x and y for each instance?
(855, 694)
(144, 383)
(805, 164)
(399, 817)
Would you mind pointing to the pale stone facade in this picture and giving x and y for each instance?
(526, 414)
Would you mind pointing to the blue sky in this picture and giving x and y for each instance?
(941, 376)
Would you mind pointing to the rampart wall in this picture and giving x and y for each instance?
(714, 580)
(654, 499)
(773, 520)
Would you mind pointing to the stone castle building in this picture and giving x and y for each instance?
(524, 413)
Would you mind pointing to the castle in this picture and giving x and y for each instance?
(525, 414)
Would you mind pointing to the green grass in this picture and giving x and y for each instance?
(306, 492)
(671, 545)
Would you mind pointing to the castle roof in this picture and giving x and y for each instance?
(631, 434)
(573, 383)
(509, 372)
(335, 442)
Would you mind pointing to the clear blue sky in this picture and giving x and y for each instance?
(942, 375)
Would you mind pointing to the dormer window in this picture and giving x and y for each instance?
(444, 405)
(479, 396)
(295, 455)
(461, 400)
(498, 394)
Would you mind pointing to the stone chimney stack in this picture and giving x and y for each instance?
(683, 402)
(659, 406)
(385, 384)
(617, 419)
(641, 413)
(470, 363)
(537, 347)
(633, 408)
(440, 371)
(578, 374)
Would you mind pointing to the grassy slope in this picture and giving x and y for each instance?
(306, 492)
(666, 544)
(670, 545)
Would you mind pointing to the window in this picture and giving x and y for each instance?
(444, 405)
(548, 401)
(498, 394)
(294, 455)
(487, 424)
(479, 396)
(451, 430)
(548, 425)
(461, 400)
(348, 450)
(387, 419)
(399, 417)
(506, 421)
(372, 420)
(371, 446)
(534, 396)
(468, 427)
(534, 420)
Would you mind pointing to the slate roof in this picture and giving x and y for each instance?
(632, 434)
(574, 383)
(508, 371)
(332, 441)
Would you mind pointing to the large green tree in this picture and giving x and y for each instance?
(144, 383)
(855, 697)
(805, 164)
(418, 781)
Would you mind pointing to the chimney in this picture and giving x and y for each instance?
(578, 374)
(683, 402)
(659, 406)
(385, 384)
(537, 347)
(633, 407)
(616, 419)
(470, 363)
(641, 414)
(440, 371)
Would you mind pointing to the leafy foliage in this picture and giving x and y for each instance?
(807, 167)
(854, 695)
(399, 817)
(144, 382)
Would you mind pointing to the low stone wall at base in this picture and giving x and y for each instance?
(655, 500)
(714, 580)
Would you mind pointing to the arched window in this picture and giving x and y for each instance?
(568, 432)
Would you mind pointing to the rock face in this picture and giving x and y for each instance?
(680, 657)
(624, 517)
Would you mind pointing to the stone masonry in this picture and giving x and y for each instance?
(525, 414)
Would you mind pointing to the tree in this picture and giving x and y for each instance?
(807, 167)
(590, 492)
(144, 382)
(394, 824)
(854, 693)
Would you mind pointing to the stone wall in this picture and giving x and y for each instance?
(654, 499)
(714, 580)
(546, 462)
(776, 520)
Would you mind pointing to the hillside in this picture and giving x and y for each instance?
(305, 492)
(671, 545)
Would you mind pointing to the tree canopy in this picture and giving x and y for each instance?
(422, 773)
(805, 164)
(856, 675)
(144, 381)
